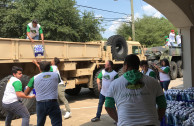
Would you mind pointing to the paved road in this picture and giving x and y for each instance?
(84, 108)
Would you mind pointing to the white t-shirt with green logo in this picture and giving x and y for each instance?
(107, 78)
(13, 85)
(136, 107)
(34, 31)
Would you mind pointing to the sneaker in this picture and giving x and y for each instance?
(67, 115)
(95, 119)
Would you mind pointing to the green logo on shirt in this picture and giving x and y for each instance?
(33, 31)
(107, 77)
(46, 76)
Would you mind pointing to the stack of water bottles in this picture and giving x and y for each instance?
(180, 107)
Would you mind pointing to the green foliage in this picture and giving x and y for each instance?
(125, 30)
(149, 31)
(60, 20)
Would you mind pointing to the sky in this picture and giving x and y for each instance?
(122, 6)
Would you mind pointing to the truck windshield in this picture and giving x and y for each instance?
(136, 50)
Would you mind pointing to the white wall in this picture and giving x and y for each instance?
(187, 68)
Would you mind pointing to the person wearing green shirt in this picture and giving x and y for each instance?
(106, 76)
(34, 30)
(136, 96)
(146, 70)
(11, 101)
(164, 73)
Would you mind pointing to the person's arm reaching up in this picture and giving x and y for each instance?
(36, 63)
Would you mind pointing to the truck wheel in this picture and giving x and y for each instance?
(173, 70)
(119, 47)
(29, 103)
(120, 72)
(179, 68)
(95, 85)
(3, 84)
(74, 91)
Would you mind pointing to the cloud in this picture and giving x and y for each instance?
(117, 23)
(98, 16)
(137, 15)
(150, 11)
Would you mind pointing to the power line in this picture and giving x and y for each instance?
(102, 9)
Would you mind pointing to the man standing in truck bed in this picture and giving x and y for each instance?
(33, 31)
(106, 76)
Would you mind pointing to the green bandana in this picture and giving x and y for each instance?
(133, 76)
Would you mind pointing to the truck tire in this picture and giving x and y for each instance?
(179, 68)
(95, 85)
(119, 47)
(3, 84)
(120, 72)
(74, 91)
(29, 103)
(173, 70)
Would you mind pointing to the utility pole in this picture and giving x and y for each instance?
(133, 21)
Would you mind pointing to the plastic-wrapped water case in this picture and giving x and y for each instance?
(38, 50)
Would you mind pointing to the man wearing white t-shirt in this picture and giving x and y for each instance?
(172, 38)
(106, 76)
(34, 30)
(11, 98)
(178, 39)
(146, 70)
(61, 87)
(136, 96)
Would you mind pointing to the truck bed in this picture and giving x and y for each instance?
(21, 50)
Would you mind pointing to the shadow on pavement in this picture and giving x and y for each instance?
(84, 94)
(105, 120)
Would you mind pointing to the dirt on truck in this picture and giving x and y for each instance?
(81, 62)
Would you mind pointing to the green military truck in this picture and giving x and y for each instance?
(173, 54)
(80, 64)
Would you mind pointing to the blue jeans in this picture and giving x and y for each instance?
(50, 108)
(35, 38)
(165, 84)
(100, 105)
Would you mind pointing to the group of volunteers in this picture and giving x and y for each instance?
(48, 86)
(173, 40)
(135, 98)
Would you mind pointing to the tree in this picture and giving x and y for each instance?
(125, 30)
(60, 20)
(150, 31)
(90, 27)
